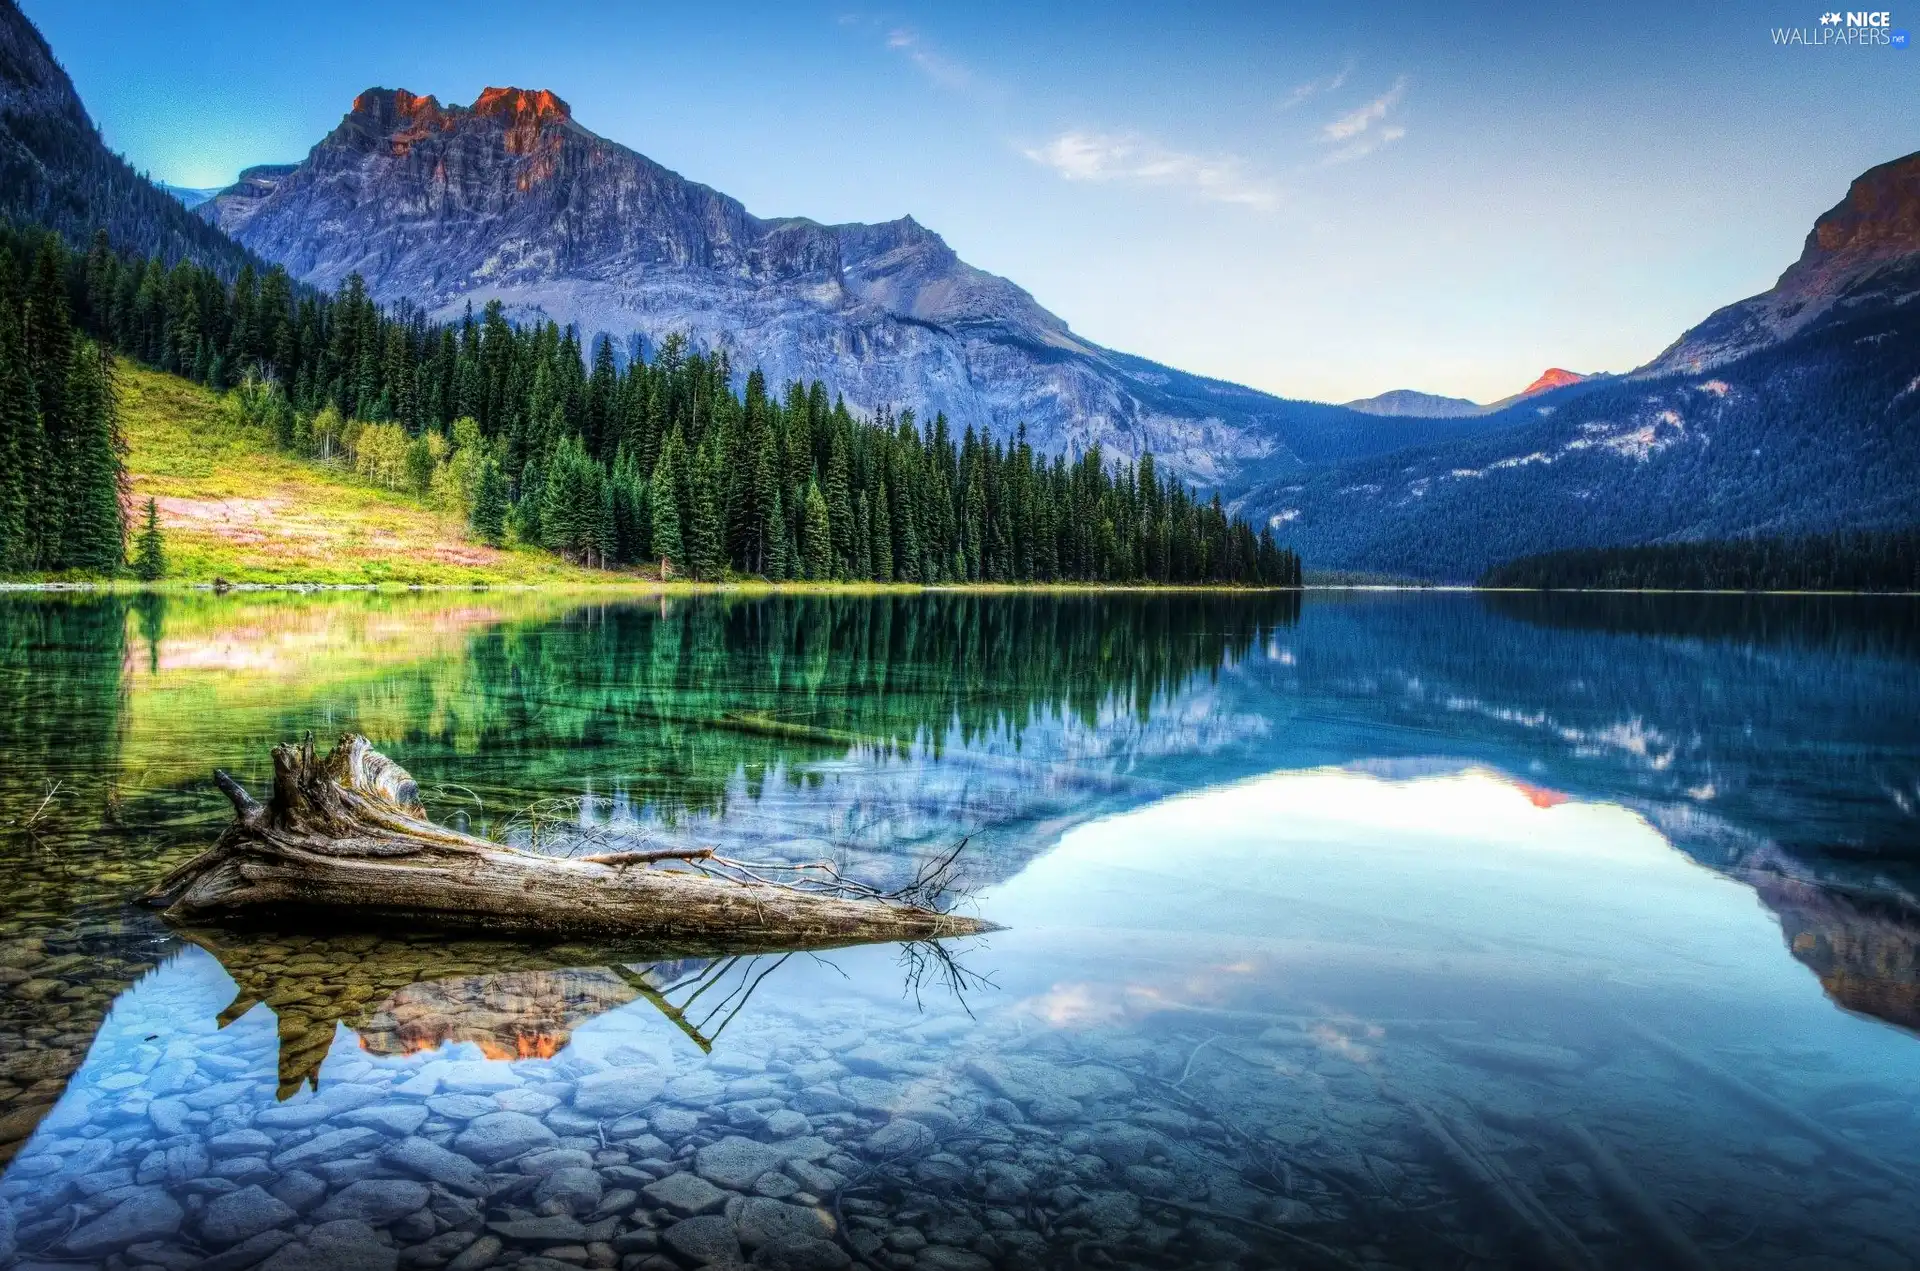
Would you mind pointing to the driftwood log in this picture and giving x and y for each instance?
(345, 836)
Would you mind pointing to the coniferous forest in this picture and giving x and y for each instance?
(534, 439)
(61, 477)
(1887, 560)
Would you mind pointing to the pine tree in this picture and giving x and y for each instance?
(882, 536)
(779, 565)
(705, 533)
(529, 504)
(20, 444)
(840, 510)
(150, 552)
(95, 530)
(489, 516)
(816, 535)
(664, 495)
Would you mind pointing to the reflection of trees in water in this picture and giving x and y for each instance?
(61, 658)
(683, 695)
(1874, 626)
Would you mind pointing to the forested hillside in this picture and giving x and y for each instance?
(1813, 435)
(1866, 561)
(56, 172)
(60, 474)
(659, 461)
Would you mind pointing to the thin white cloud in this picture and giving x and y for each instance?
(1364, 129)
(1366, 144)
(1315, 87)
(1132, 159)
(936, 66)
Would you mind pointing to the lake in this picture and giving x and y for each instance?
(1363, 930)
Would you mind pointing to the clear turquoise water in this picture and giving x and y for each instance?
(1383, 930)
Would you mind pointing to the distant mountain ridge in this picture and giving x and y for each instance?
(1405, 403)
(1794, 412)
(55, 170)
(511, 199)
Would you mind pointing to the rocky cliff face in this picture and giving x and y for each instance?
(1863, 254)
(511, 199)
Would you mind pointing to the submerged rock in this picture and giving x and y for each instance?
(706, 1240)
(242, 1214)
(685, 1193)
(735, 1162)
(500, 1135)
(147, 1215)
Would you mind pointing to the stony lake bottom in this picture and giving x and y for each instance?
(1364, 930)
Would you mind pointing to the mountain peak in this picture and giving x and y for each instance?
(1880, 215)
(1551, 378)
(522, 105)
(1862, 253)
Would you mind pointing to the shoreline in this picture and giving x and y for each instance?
(650, 587)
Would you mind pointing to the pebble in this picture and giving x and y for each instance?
(801, 1254)
(762, 1220)
(617, 1092)
(395, 1120)
(326, 1146)
(345, 1245)
(436, 1164)
(571, 1190)
(735, 1162)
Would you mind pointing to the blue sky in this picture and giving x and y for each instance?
(1323, 201)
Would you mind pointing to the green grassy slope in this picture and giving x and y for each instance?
(233, 507)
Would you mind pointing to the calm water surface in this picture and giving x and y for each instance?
(1379, 931)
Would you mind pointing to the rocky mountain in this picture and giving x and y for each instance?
(1862, 256)
(1408, 402)
(1401, 403)
(512, 199)
(1797, 411)
(57, 172)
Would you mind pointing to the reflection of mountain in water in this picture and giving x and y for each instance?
(1864, 947)
(1756, 732)
(405, 995)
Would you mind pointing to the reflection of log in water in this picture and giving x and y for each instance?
(406, 995)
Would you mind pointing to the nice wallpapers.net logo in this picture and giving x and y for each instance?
(1864, 29)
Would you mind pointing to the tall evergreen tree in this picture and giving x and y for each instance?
(150, 552)
(816, 535)
(95, 529)
(21, 445)
(664, 495)
(489, 517)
